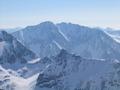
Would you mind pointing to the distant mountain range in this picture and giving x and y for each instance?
(11, 30)
(62, 56)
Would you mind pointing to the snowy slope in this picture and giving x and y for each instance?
(5, 82)
(90, 42)
(46, 39)
(71, 72)
(12, 51)
(63, 72)
(15, 57)
(12, 82)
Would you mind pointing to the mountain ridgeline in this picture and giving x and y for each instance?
(47, 39)
(70, 72)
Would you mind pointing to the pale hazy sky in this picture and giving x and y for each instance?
(20, 13)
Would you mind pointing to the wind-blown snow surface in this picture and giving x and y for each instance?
(19, 67)
(12, 82)
(71, 72)
(16, 57)
(14, 66)
(64, 72)
(47, 39)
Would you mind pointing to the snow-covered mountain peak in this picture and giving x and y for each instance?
(47, 39)
(47, 23)
(42, 26)
(71, 57)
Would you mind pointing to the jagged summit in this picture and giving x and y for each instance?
(71, 24)
(75, 73)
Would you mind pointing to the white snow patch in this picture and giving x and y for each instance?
(58, 45)
(102, 59)
(24, 84)
(116, 61)
(34, 61)
(1, 68)
(114, 37)
(20, 83)
(63, 34)
(117, 40)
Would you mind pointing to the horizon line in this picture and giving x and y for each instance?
(54, 22)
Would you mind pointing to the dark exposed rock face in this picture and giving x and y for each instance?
(70, 72)
(12, 50)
